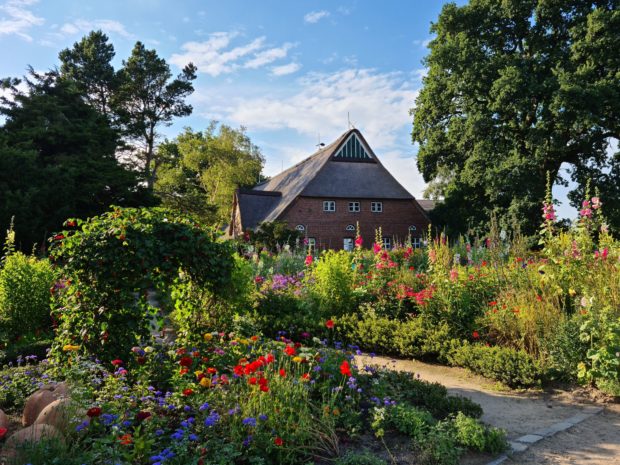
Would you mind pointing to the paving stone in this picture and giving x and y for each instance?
(578, 418)
(517, 446)
(592, 410)
(529, 438)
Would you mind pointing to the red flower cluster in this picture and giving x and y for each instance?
(186, 361)
(345, 369)
(93, 412)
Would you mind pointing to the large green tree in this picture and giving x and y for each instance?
(147, 98)
(89, 66)
(57, 159)
(202, 169)
(514, 90)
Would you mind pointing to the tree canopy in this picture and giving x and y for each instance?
(57, 159)
(516, 89)
(201, 170)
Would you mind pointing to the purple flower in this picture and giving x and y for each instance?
(250, 421)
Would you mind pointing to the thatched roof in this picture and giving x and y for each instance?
(333, 171)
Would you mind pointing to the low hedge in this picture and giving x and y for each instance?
(515, 368)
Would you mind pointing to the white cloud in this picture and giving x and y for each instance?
(215, 56)
(315, 16)
(18, 18)
(378, 103)
(422, 43)
(82, 26)
(268, 56)
(283, 70)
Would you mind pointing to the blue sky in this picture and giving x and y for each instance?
(288, 71)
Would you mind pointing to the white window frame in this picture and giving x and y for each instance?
(348, 244)
(311, 244)
(387, 243)
(355, 207)
(416, 242)
(376, 207)
(300, 227)
(350, 228)
(329, 206)
(412, 228)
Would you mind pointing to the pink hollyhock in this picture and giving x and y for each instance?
(359, 241)
(309, 260)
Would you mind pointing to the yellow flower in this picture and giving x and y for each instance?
(208, 336)
(198, 373)
(297, 359)
(572, 292)
(148, 349)
(205, 382)
(245, 342)
(70, 348)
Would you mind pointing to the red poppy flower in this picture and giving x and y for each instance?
(270, 358)
(252, 380)
(278, 441)
(475, 335)
(93, 412)
(186, 361)
(290, 351)
(211, 370)
(282, 372)
(3, 432)
(187, 392)
(59, 237)
(183, 371)
(345, 369)
(264, 388)
(329, 324)
(118, 362)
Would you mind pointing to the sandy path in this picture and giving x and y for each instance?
(595, 441)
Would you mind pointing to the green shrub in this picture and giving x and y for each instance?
(24, 295)
(565, 349)
(26, 348)
(412, 421)
(440, 446)
(331, 283)
(409, 338)
(404, 387)
(359, 458)
(515, 368)
(369, 331)
(474, 435)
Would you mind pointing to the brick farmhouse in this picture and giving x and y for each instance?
(328, 194)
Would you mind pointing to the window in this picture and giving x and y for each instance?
(412, 228)
(311, 244)
(376, 207)
(416, 242)
(352, 150)
(329, 206)
(300, 227)
(387, 243)
(350, 227)
(354, 206)
(348, 244)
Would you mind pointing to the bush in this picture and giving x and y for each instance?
(331, 283)
(515, 368)
(412, 421)
(369, 331)
(565, 350)
(474, 435)
(24, 295)
(440, 446)
(409, 338)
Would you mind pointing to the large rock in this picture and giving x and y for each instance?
(4, 420)
(56, 414)
(32, 434)
(35, 405)
(41, 399)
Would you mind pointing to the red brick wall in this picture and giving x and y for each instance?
(328, 228)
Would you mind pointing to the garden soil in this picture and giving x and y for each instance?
(595, 441)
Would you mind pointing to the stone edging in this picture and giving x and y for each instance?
(522, 443)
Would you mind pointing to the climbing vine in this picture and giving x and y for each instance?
(109, 263)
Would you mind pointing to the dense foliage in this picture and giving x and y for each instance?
(514, 90)
(110, 262)
(201, 170)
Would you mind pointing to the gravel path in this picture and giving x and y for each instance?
(596, 440)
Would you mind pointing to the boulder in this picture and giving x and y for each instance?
(4, 420)
(58, 389)
(32, 434)
(35, 405)
(56, 414)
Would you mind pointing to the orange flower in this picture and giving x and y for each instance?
(125, 439)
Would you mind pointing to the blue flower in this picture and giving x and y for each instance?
(212, 419)
(204, 407)
(250, 421)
